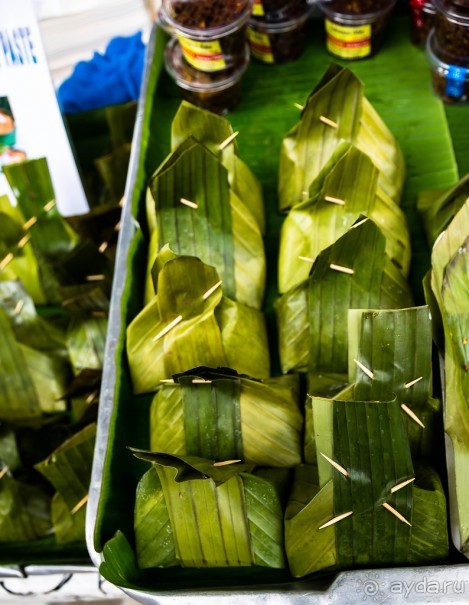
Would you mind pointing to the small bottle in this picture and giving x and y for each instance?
(212, 33)
(217, 91)
(276, 29)
(354, 27)
(422, 14)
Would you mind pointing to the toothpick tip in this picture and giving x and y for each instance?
(412, 415)
(228, 140)
(364, 369)
(396, 513)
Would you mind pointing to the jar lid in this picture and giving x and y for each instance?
(206, 19)
(456, 11)
(360, 11)
(192, 79)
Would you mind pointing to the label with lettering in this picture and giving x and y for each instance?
(205, 56)
(260, 46)
(258, 8)
(455, 80)
(348, 42)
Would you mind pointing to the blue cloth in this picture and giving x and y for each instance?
(108, 79)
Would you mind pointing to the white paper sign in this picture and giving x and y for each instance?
(31, 125)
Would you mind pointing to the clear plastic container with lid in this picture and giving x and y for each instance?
(452, 30)
(219, 92)
(450, 75)
(354, 27)
(276, 29)
(211, 32)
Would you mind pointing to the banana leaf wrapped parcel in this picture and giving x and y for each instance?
(192, 512)
(346, 188)
(189, 323)
(337, 111)
(448, 297)
(354, 272)
(360, 500)
(216, 414)
(204, 202)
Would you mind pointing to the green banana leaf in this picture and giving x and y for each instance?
(212, 130)
(85, 300)
(209, 333)
(314, 224)
(30, 180)
(9, 454)
(23, 265)
(206, 515)
(304, 344)
(68, 468)
(68, 527)
(86, 341)
(31, 381)
(30, 328)
(24, 511)
(113, 171)
(396, 345)
(309, 145)
(449, 285)
(221, 231)
(439, 208)
(219, 418)
(369, 443)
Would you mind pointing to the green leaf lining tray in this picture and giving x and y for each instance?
(397, 83)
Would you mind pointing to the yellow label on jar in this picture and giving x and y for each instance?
(258, 8)
(205, 56)
(260, 46)
(348, 42)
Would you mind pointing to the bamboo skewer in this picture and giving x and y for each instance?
(336, 519)
(298, 106)
(396, 513)
(341, 269)
(412, 382)
(401, 485)
(211, 290)
(334, 200)
(80, 504)
(364, 369)
(49, 206)
(168, 328)
(336, 465)
(228, 140)
(328, 122)
(225, 462)
(188, 203)
(410, 413)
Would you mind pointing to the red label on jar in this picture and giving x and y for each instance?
(348, 42)
(260, 46)
(205, 56)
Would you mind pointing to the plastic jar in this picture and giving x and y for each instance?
(452, 30)
(450, 79)
(354, 27)
(219, 92)
(211, 32)
(278, 35)
(422, 20)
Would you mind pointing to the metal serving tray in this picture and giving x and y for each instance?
(107, 510)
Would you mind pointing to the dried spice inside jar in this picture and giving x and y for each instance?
(422, 20)
(452, 30)
(354, 27)
(218, 92)
(277, 42)
(211, 32)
